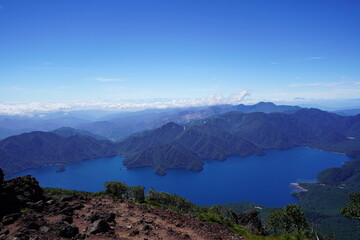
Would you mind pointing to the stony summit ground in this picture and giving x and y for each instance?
(86, 217)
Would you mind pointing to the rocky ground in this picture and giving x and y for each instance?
(104, 218)
(30, 215)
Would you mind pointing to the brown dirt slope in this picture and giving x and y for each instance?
(88, 217)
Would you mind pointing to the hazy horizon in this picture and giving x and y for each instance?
(133, 55)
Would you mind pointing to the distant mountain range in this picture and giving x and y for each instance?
(69, 132)
(186, 146)
(348, 112)
(12, 125)
(241, 134)
(116, 126)
(37, 149)
(122, 125)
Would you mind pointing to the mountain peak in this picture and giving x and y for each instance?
(265, 104)
(170, 125)
(266, 107)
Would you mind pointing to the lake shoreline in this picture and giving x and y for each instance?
(252, 178)
(297, 186)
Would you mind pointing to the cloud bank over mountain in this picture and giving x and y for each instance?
(8, 108)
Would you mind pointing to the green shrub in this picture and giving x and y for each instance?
(1, 178)
(122, 191)
(60, 191)
(24, 210)
(116, 189)
(227, 222)
(170, 201)
(352, 209)
(288, 220)
(136, 194)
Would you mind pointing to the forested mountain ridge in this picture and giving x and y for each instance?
(210, 142)
(122, 125)
(173, 145)
(37, 149)
(242, 134)
(68, 132)
(187, 146)
(116, 126)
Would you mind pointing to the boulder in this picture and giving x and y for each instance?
(66, 198)
(38, 206)
(99, 226)
(67, 230)
(107, 216)
(69, 210)
(18, 193)
(67, 219)
(11, 218)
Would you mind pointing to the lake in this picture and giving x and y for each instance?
(263, 180)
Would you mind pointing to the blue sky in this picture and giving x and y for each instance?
(287, 51)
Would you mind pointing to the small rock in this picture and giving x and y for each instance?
(66, 198)
(67, 230)
(135, 232)
(63, 205)
(52, 209)
(107, 216)
(11, 218)
(149, 221)
(99, 226)
(110, 217)
(33, 225)
(44, 229)
(8, 221)
(67, 211)
(187, 236)
(80, 236)
(22, 234)
(93, 217)
(179, 225)
(147, 228)
(38, 206)
(78, 206)
(35, 238)
(67, 219)
(4, 232)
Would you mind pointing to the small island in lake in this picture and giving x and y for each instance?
(61, 168)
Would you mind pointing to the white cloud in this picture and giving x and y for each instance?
(308, 95)
(297, 60)
(305, 84)
(316, 58)
(35, 107)
(322, 84)
(12, 88)
(109, 79)
(236, 98)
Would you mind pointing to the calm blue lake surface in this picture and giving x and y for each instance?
(263, 180)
